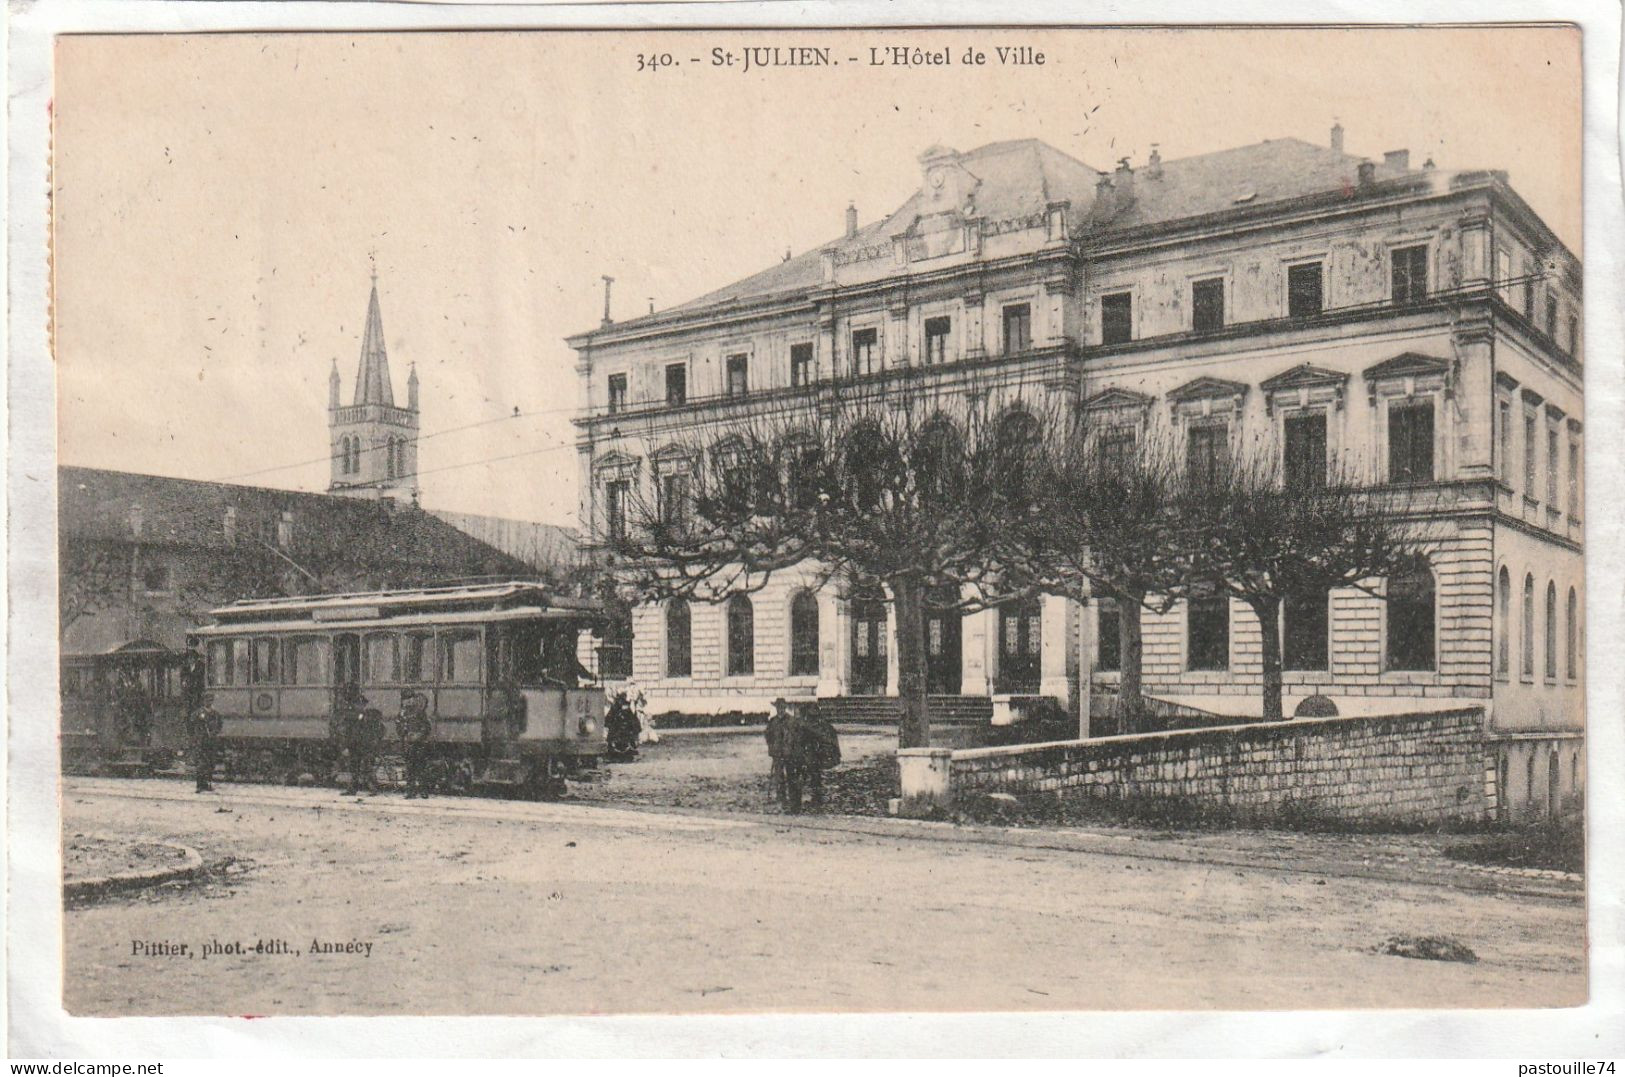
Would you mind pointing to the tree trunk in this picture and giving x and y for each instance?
(1268, 610)
(908, 599)
(1131, 654)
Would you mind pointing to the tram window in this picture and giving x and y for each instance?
(304, 661)
(219, 662)
(381, 667)
(460, 657)
(172, 682)
(417, 657)
(73, 685)
(240, 667)
(265, 663)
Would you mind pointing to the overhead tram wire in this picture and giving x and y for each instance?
(466, 463)
(415, 440)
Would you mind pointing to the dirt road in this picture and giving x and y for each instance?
(469, 907)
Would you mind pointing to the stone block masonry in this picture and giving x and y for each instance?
(1403, 768)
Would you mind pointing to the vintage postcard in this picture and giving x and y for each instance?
(803, 520)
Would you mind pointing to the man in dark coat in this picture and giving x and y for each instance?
(356, 734)
(203, 733)
(813, 748)
(416, 731)
(780, 727)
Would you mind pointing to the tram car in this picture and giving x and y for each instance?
(513, 710)
(123, 710)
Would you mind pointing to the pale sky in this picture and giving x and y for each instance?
(218, 196)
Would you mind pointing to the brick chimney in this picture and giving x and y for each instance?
(1337, 136)
(1153, 166)
(1400, 159)
(1367, 173)
(851, 220)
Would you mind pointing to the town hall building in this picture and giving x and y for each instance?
(1421, 322)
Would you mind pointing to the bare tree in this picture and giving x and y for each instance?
(1246, 531)
(92, 577)
(1107, 524)
(910, 491)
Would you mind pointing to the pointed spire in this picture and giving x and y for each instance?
(372, 381)
(333, 385)
(412, 388)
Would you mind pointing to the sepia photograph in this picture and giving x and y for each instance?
(718, 521)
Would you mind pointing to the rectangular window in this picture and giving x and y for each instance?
(738, 374)
(1117, 449)
(1503, 273)
(674, 499)
(617, 393)
(677, 384)
(1553, 461)
(801, 357)
(1117, 318)
(1304, 296)
(615, 498)
(1306, 451)
(380, 657)
(1304, 622)
(1207, 452)
(1574, 334)
(1505, 413)
(1208, 633)
(1530, 273)
(241, 661)
(1410, 274)
(266, 665)
(304, 661)
(1018, 328)
(219, 662)
(417, 657)
(1207, 305)
(1551, 317)
(1110, 645)
(460, 657)
(1531, 449)
(1574, 478)
(1410, 442)
(936, 340)
(864, 344)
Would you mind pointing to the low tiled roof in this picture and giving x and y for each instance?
(1022, 177)
(99, 505)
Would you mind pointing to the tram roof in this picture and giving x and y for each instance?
(407, 620)
(428, 602)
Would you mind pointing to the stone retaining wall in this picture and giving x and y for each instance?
(1398, 768)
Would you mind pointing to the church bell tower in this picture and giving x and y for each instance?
(373, 442)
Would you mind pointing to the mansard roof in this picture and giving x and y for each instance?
(1406, 364)
(1022, 177)
(1304, 374)
(1197, 388)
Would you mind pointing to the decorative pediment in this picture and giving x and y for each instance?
(1506, 381)
(672, 456)
(615, 461)
(1409, 373)
(1203, 395)
(1116, 399)
(1304, 384)
(1407, 365)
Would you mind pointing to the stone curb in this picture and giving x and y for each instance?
(190, 867)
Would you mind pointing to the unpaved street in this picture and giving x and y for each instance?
(469, 907)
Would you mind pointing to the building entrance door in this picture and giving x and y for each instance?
(1021, 642)
(868, 647)
(942, 645)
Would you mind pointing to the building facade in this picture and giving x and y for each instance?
(145, 557)
(1423, 324)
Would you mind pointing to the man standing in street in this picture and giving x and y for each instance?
(203, 731)
(351, 707)
(416, 731)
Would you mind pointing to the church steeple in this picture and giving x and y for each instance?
(372, 381)
(374, 444)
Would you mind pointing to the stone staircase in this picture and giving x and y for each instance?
(888, 710)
